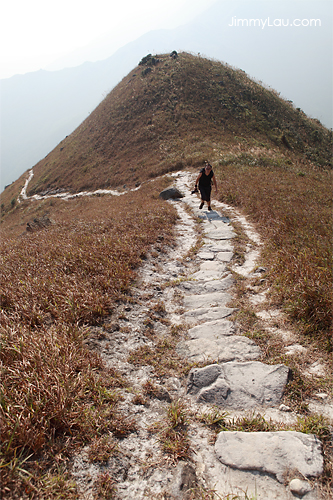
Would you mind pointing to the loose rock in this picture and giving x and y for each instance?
(170, 194)
(299, 487)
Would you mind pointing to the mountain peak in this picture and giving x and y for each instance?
(171, 111)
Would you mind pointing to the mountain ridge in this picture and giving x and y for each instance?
(168, 113)
(301, 72)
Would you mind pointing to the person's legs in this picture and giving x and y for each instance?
(205, 197)
(208, 199)
(202, 196)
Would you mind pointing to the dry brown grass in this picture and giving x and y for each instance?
(292, 209)
(105, 488)
(162, 356)
(270, 161)
(184, 111)
(56, 282)
(172, 432)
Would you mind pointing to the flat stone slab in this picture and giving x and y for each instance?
(213, 299)
(210, 286)
(206, 255)
(275, 453)
(217, 223)
(209, 270)
(223, 233)
(214, 216)
(204, 314)
(208, 275)
(224, 256)
(239, 385)
(217, 246)
(212, 266)
(234, 348)
(217, 286)
(212, 330)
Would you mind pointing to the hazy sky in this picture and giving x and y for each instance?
(35, 33)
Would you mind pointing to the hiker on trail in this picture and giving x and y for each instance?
(204, 182)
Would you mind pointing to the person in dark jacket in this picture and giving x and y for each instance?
(204, 182)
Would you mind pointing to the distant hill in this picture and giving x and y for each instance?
(41, 108)
(173, 112)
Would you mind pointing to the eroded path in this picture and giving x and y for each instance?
(188, 289)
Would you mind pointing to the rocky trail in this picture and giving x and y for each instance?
(189, 289)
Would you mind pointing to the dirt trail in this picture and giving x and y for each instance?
(183, 288)
(64, 195)
(193, 290)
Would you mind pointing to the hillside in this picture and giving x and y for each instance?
(169, 113)
(39, 109)
(111, 304)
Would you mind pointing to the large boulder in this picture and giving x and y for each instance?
(171, 193)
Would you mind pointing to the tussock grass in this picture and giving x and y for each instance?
(162, 356)
(55, 394)
(172, 432)
(102, 448)
(105, 488)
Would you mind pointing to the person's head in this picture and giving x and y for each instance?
(208, 167)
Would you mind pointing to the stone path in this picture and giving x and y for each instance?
(235, 379)
(64, 195)
(239, 465)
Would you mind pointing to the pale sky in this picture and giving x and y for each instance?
(35, 33)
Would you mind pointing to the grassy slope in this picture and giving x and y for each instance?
(292, 209)
(179, 113)
(55, 282)
(270, 160)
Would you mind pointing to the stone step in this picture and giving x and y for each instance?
(237, 385)
(209, 271)
(212, 330)
(212, 299)
(235, 348)
(278, 453)
(210, 286)
(206, 314)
